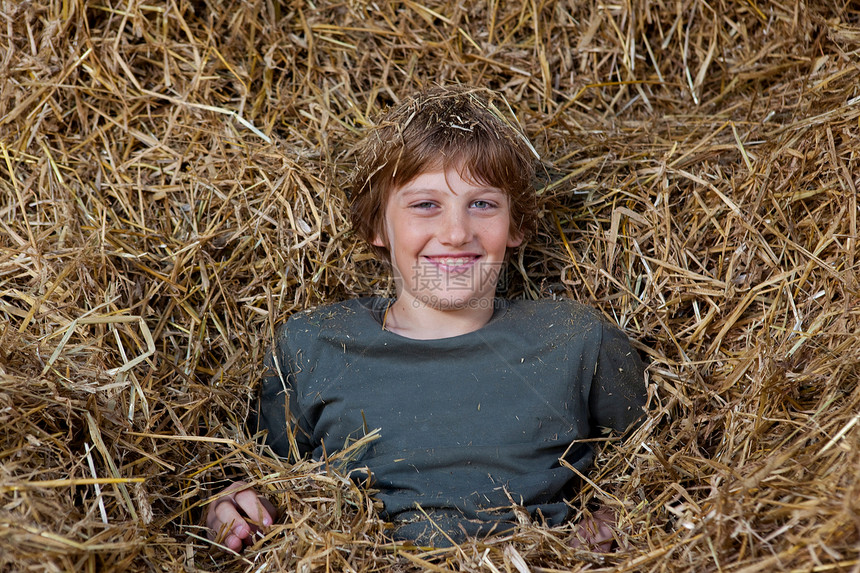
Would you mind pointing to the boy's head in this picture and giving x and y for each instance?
(440, 128)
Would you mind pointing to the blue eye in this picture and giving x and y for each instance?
(481, 204)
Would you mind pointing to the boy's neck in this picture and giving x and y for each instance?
(410, 318)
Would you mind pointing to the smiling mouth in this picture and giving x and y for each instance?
(453, 263)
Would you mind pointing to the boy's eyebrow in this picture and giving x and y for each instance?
(421, 190)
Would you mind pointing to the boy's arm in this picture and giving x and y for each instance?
(616, 399)
(276, 408)
(236, 514)
(618, 391)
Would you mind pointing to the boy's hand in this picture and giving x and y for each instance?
(595, 533)
(237, 514)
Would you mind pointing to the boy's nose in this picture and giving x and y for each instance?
(455, 229)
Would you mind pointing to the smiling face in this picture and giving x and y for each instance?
(447, 235)
(450, 125)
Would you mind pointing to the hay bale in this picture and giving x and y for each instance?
(170, 188)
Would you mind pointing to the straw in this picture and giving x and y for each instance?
(171, 188)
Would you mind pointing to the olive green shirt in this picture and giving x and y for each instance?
(469, 425)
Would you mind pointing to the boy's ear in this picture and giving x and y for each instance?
(379, 241)
(515, 238)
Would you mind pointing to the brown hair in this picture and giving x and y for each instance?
(442, 127)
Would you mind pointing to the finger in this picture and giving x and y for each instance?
(258, 509)
(228, 518)
(592, 533)
(221, 533)
(604, 538)
(233, 543)
(212, 521)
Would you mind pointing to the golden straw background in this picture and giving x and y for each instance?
(171, 188)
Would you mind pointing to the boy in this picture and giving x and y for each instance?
(479, 401)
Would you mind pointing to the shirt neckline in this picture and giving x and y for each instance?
(376, 311)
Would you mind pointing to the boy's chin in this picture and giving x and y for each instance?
(455, 302)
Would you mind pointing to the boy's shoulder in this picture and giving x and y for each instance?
(358, 311)
(343, 310)
(362, 317)
(339, 321)
(554, 312)
(357, 314)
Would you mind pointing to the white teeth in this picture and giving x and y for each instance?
(454, 262)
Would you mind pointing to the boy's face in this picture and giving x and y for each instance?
(447, 237)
